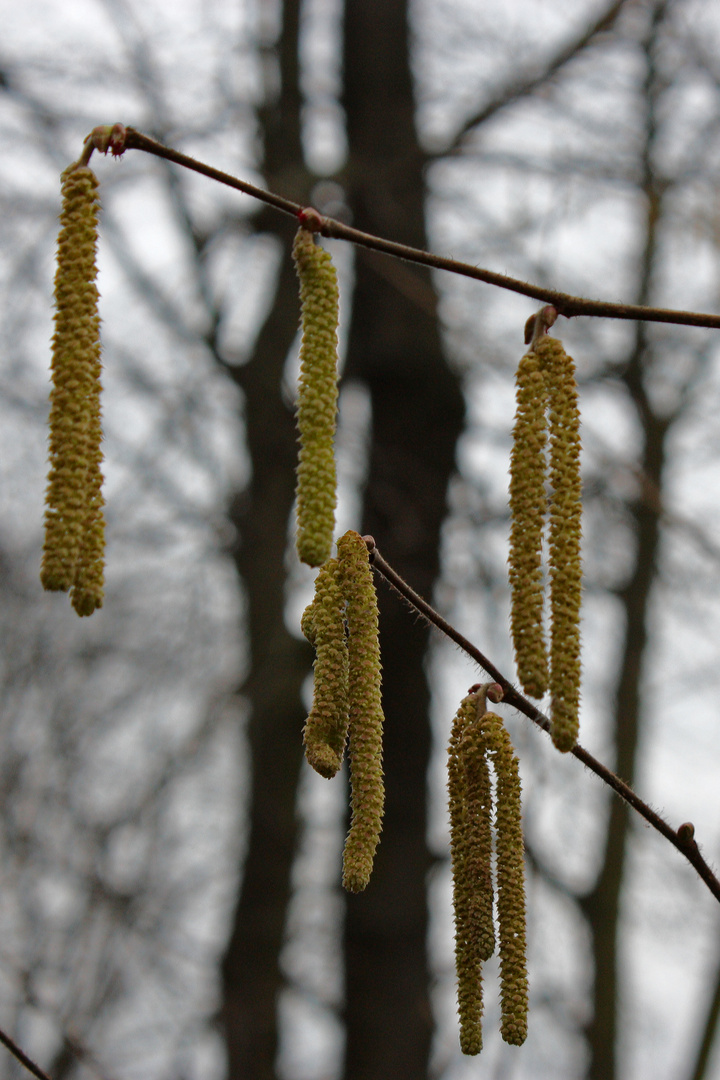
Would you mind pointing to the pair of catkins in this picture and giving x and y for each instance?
(547, 399)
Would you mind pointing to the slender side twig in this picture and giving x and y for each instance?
(22, 1057)
(683, 838)
(565, 304)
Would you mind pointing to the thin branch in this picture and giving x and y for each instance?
(682, 838)
(22, 1057)
(565, 304)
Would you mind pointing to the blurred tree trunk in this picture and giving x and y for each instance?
(417, 415)
(252, 979)
(602, 905)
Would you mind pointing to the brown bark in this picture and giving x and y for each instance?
(417, 415)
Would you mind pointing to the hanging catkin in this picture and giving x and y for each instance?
(471, 850)
(546, 383)
(74, 526)
(317, 400)
(365, 712)
(324, 625)
(510, 871)
(479, 738)
(565, 528)
(528, 505)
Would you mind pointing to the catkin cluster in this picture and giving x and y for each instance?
(73, 552)
(342, 625)
(479, 739)
(317, 400)
(547, 399)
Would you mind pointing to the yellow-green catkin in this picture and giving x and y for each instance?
(365, 712)
(317, 400)
(74, 526)
(565, 535)
(528, 505)
(87, 590)
(470, 848)
(510, 873)
(326, 727)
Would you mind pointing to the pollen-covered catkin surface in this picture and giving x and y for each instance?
(73, 515)
(87, 590)
(470, 848)
(510, 872)
(317, 400)
(565, 536)
(365, 712)
(326, 727)
(528, 505)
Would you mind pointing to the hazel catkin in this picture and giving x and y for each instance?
(510, 872)
(478, 739)
(317, 400)
(365, 712)
(528, 505)
(565, 535)
(471, 851)
(326, 726)
(74, 526)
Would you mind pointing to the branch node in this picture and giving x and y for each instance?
(686, 834)
(104, 138)
(539, 324)
(311, 220)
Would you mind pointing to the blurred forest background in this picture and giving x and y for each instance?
(170, 902)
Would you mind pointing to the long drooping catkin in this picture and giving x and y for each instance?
(528, 505)
(546, 382)
(317, 400)
(565, 531)
(74, 527)
(471, 851)
(365, 711)
(510, 871)
(324, 623)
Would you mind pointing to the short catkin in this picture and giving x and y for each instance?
(326, 726)
(565, 535)
(528, 505)
(74, 525)
(365, 711)
(317, 400)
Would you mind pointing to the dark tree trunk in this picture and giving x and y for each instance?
(252, 979)
(417, 416)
